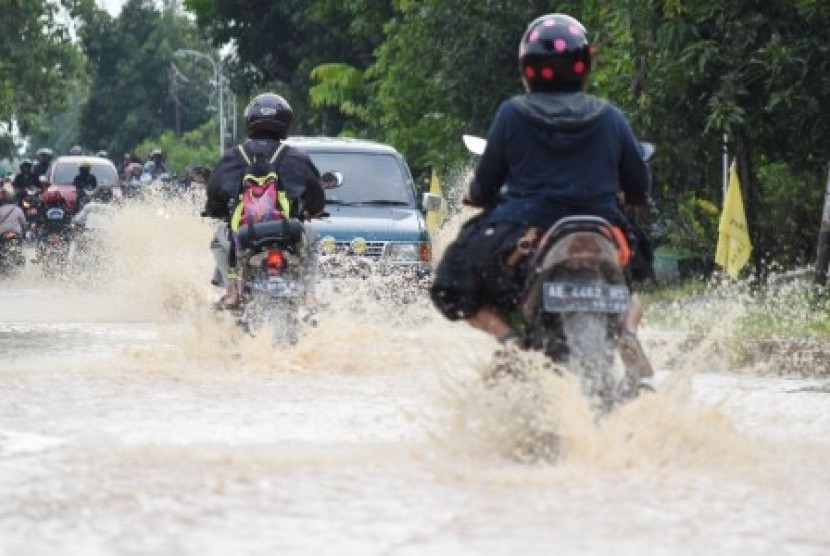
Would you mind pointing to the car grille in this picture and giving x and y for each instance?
(374, 249)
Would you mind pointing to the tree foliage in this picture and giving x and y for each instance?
(419, 73)
(278, 44)
(130, 90)
(196, 147)
(37, 59)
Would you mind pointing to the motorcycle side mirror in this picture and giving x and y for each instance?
(647, 150)
(331, 180)
(475, 145)
(431, 202)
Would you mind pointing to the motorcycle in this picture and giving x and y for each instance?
(273, 259)
(30, 204)
(574, 298)
(11, 253)
(54, 241)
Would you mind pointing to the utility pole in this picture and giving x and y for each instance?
(823, 257)
(218, 82)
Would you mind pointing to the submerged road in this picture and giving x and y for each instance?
(133, 420)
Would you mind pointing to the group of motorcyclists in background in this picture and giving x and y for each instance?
(557, 121)
(31, 210)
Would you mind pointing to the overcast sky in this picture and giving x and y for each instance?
(112, 6)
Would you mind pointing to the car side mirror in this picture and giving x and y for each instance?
(431, 202)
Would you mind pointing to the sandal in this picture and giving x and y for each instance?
(633, 356)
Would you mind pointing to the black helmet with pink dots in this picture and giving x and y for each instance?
(555, 54)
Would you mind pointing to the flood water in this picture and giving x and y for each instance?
(135, 420)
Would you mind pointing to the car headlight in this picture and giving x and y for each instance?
(328, 246)
(408, 252)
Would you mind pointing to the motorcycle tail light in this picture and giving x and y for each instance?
(275, 262)
(425, 252)
(54, 240)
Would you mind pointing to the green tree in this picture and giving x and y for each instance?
(194, 148)
(130, 61)
(277, 44)
(755, 72)
(37, 61)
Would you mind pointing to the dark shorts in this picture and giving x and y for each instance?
(474, 271)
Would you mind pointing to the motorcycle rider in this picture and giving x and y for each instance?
(44, 159)
(268, 117)
(55, 218)
(24, 179)
(84, 182)
(159, 167)
(76, 150)
(12, 218)
(558, 151)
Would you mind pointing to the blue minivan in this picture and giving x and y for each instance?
(374, 212)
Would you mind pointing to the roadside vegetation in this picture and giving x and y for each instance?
(420, 73)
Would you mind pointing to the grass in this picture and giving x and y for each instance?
(792, 309)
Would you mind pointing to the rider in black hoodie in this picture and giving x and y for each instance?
(268, 117)
(553, 152)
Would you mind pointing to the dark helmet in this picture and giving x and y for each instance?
(76, 150)
(554, 54)
(269, 113)
(44, 153)
(25, 163)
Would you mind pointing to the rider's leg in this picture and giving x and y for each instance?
(631, 351)
(220, 247)
(631, 320)
(491, 321)
(225, 257)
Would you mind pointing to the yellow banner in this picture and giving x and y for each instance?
(436, 218)
(734, 246)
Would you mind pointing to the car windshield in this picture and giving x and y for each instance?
(65, 173)
(370, 178)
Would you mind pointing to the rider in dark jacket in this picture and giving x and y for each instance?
(24, 179)
(268, 118)
(85, 184)
(553, 152)
(44, 160)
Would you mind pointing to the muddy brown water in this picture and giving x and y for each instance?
(134, 420)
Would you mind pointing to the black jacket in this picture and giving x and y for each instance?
(41, 168)
(558, 154)
(22, 181)
(299, 178)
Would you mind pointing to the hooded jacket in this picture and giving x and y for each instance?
(551, 155)
(298, 176)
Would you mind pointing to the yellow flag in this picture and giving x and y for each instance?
(734, 246)
(436, 218)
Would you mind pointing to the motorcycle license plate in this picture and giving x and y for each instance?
(275, 287)
(565, 297)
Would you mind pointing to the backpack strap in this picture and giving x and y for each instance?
(245, 157)
(276, 158)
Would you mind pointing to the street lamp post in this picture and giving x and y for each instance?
(218, 83)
